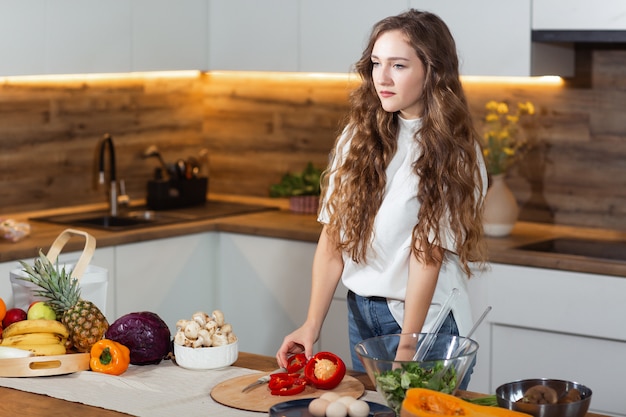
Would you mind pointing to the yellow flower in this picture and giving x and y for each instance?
(492, 106)
(502, 142)
(491, 117)
(502, 108)
(526, 108)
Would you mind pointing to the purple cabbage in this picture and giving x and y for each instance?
(145, 334)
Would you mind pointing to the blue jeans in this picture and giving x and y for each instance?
(370, 317)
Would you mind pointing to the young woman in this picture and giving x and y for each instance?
(403, 194)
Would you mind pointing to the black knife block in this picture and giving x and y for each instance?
(176, 193)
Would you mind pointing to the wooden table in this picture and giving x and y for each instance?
(24, 404)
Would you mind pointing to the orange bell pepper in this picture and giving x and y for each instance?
(422, 402)
(109, 357)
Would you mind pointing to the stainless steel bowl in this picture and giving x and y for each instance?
(508, 394)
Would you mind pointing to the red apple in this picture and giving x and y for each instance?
(13, 315)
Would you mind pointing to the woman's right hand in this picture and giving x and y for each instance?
(327, 268)
(300, 340)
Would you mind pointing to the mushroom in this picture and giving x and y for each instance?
(180, 324)
(572, 396)
(191, 330)
(218, 316)
(540, 394)
(227, 328)
(205, 337)
(211, 326)
(200, 317)
(219, 339)
(204, 330)
(180, 338)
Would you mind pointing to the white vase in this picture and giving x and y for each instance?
(501, 210)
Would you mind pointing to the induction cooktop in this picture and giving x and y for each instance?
(591, 248)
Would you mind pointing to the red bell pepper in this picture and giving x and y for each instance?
(285, 383)
(325, 370)
(293, 390)
(296, 362)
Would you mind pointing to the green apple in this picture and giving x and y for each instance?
(41, 310)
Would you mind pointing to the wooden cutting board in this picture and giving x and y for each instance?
(44, 365)
(259, 398)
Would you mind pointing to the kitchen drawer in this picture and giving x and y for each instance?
(561, 301)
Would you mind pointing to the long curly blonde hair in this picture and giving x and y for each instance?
(448, 166)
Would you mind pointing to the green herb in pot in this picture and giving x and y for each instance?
(306, 182)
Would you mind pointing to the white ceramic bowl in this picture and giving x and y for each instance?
(206, 357)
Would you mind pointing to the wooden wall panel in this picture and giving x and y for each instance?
(258, 126)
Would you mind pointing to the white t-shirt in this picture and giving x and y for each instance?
(385, 273)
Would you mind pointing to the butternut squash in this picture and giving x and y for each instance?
(422, 402)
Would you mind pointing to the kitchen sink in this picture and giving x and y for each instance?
(142, 216)
(590, 248)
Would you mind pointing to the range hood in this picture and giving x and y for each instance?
(580, 36)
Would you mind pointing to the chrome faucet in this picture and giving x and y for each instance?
(114, 199)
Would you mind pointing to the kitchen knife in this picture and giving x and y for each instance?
(262, 380)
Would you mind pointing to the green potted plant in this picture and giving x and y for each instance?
(302, 189)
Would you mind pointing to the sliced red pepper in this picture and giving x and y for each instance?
(279, 381)
(296, 362)
(284, 383)
(325, 370)
(293, 390)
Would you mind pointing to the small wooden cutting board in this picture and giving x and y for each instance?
(44, 365)
(259, 398)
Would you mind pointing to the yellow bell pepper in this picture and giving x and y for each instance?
(109, 357)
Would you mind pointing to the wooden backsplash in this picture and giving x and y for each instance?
(258, 126)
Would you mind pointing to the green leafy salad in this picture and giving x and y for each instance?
(393, 384)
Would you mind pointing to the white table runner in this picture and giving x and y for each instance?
(163, 390)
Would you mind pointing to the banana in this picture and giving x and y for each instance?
(13, 353)
(32, 339)
(36, 326)
(44, 350)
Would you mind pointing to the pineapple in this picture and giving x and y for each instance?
(83, 319)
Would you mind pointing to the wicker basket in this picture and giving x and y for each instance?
(305, 204)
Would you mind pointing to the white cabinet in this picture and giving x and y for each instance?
(102, 257)
(253, 35)
(169, 35)
(579, 15)
(478, 287)
(172, 277)
(86, 36)
(556, 324)
(264, 288)
(496, 40)
(288, 35)
(91, 36)
(333, 34)
(264, 292)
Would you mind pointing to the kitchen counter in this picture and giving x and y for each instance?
(286, 225)
(25, 404)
